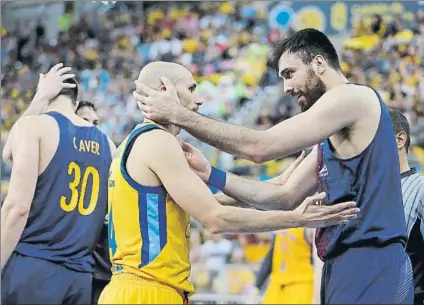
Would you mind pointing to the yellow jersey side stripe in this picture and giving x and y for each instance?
(152, 216)
(151, 209)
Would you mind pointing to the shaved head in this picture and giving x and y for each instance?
(151, 73)
(180, 77)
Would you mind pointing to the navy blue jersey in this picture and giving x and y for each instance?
(372, 179)
(70, 200)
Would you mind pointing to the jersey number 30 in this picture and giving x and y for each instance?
(77, 198)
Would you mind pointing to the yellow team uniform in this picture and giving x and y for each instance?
(148, 239)
(291, 280)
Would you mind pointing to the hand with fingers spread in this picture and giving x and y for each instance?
(311, 215)
(159, 106)
(198, 162)
(50, 84)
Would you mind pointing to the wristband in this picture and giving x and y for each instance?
(217, 179)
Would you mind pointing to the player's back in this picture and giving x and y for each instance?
(69, 205)
(148, 231)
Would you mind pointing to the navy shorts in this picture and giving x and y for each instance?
(29, 280)
(368, 275)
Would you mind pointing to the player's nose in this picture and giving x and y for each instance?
(287, 86)
(199, 101)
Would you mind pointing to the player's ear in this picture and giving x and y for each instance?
(401, 138)
(319, 64)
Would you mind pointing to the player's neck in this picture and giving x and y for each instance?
(169, 127)
(334, 78)
(63, 105)
(403, 162)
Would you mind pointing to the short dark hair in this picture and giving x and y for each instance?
(88, 104)
(72, 93)
(307, 43)
(400, 124)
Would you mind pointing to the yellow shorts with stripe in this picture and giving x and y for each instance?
(295, 293)
(131, 289)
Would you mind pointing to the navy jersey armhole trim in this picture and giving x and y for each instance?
(127, 149)
(382, 105)
(59, 118)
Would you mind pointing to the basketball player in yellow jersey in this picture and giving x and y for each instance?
(153, 192)
(289, 265)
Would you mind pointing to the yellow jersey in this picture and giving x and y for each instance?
(148, 232)
(292, 257)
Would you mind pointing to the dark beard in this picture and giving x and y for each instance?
(315, 88)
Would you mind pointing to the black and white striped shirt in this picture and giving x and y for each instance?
(413, 198)
(413, 201)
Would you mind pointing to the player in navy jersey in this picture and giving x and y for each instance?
(102, 265)
(354, 158)
(55, 207)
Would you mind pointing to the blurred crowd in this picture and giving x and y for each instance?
(225, 45)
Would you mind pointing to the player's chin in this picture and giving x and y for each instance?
(303, 103)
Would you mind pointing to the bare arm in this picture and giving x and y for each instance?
(15, 210)
(269, 196)
(37, 106)
(229, 201)
(338, 108)
(282, 192)
(170, 165)
(48, 87)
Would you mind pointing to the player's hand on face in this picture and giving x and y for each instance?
(312, 215)
(282, 179)
(158, 106)
(198, 162)
(50, 84)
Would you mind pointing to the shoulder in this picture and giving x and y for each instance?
(158, 146)
(359, 94)
(34, 124)
(346, 104)
(44, 123)
(157, 139)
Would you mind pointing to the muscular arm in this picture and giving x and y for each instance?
(170, 165)
(269, 196)
(37, 106)
(15, 210)
(336, 109)
(229, 201)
